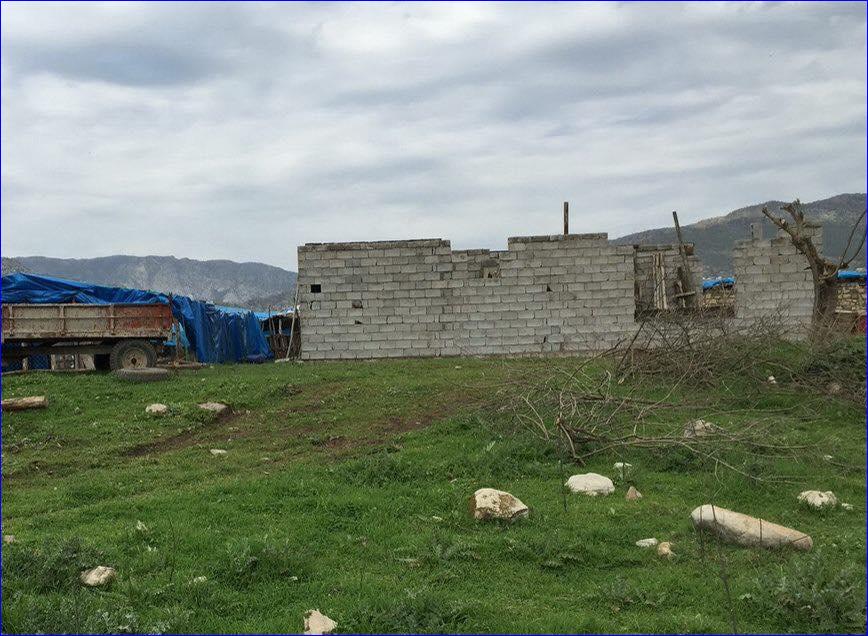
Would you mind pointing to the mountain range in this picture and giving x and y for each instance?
(260, 286)
(250, 285)
(714, 238)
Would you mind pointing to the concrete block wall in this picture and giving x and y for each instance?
(773, 282)
(543, 295)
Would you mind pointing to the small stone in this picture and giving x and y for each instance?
(590, 484)
(664, 550)
(817, 499)
(699, 428)
(647, 543)
(157, 409)
(771, 380)
(199, 580)
(317, 623)
(833, 388)
(845, 506)
(214, 407)
(8, 538)
(623, 469)
(141, 527)
(827, 458)
(436, 519)
(744, 530)
(218, 451)
(633, 494)
(100, 575)
(488, 503)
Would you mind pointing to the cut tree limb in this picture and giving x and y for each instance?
(25, 403)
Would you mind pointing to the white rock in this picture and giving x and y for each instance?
(827, 458)
(632, 494)
(199, 580)
(590, 484)
(623, 469)
(771, 380)
(818, 499)
(699, 428)
(845, 506)
(665, 550)
(100, 575)
(744, 530)
(214, 407)
(141, 527)
(647, 543)
(157, 409)
(8, 538)
(317, 623)
(488, 503)
(218, 451)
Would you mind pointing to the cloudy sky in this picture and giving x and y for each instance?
(241, 130)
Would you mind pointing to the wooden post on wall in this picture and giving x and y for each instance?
(566, 217)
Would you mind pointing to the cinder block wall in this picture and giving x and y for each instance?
(543, 295)
(773, 282)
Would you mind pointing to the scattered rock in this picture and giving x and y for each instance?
(157, 409)
(199, 580)
(700, 428)
(623, 469)
(317, 623)
(632, 494)
(100, 575)
(214, 407)
(647, 543)
(218, 451)
(771, 380)
(744, 530)
(141, 527)
(590, 484)
(827, 458)
(24, 403)
(8, 538)
(833, 388)
(488, 503)
(664, 550)
(818, 499)
(845, 506)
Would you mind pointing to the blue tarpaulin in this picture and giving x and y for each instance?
(847, 274)
(726, 281)
(214, 334)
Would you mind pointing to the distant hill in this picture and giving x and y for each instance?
(714, 238)
(251, 285)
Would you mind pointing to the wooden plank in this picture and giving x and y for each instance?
(25, 403)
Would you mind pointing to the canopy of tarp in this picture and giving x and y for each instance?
(848, 274)
(726, 281)
(214, 335)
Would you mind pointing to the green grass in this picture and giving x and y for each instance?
(345, 489)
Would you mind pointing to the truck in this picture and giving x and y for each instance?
(118, 336)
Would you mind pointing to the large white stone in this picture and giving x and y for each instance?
(318, 623)
(647, 543)
(700, 428)
(157, 409)
(818, 499)
(214, 407)
(488, 503)
(100, 575)
(744, 530)
(590, 484)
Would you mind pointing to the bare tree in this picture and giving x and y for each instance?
(824, 272)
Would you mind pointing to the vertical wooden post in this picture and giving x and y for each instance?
(689, 292)
(566, 217)
(292, 324)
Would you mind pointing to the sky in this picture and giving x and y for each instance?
(241, 130)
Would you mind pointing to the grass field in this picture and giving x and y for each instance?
(345, 489)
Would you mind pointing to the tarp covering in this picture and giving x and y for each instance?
(214, 335)
(726, 281)
(847, 274)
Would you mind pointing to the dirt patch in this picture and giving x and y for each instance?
(181, 440)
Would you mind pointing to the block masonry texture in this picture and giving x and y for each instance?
(543, 295)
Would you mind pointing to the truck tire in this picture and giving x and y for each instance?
(133, 354)
(143, 374)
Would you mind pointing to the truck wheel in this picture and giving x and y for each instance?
(133, 354)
